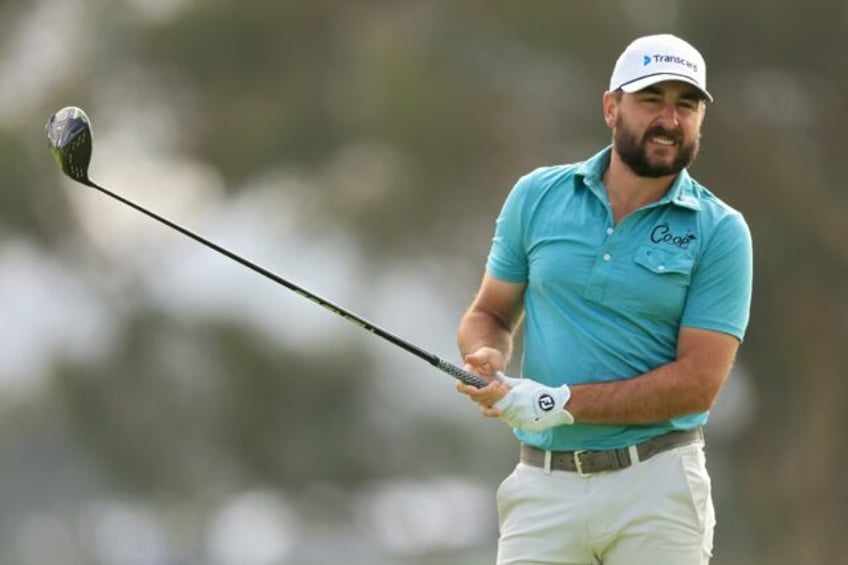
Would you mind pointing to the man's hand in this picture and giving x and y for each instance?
(486, 362)
(521, 403)
(532, 406)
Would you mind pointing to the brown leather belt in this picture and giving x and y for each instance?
(588, 462)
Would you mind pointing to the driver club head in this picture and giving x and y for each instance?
(69, 135)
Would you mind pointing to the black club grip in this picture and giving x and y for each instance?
(461, 374)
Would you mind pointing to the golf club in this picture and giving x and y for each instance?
(69, 135)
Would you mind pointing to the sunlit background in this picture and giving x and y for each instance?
(161, 405)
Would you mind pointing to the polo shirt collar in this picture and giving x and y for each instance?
(680, 193)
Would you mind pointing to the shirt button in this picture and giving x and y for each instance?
(607, 256)
(609, 231)
(661, 268)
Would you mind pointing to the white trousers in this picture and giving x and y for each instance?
(657, 512)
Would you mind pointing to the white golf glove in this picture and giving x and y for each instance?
(532, 406)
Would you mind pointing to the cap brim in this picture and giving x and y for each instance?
(647, 81)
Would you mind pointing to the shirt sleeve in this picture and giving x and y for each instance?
(507, 259)
(720, 292)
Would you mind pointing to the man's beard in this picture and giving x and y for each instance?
(632, 151)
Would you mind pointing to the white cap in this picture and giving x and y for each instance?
(655, 58)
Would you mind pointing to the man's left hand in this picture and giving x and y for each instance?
(532, 406)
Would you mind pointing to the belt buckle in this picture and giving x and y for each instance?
(578, 462)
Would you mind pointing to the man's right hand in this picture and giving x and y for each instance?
(486, 362)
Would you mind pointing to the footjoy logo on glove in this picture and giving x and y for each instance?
(546, 402)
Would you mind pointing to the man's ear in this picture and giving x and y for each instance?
(610, 106)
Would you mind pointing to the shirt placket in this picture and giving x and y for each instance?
(605, 258)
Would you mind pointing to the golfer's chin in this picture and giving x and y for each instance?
(660, 155)
(661, 161)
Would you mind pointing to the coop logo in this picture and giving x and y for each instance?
(674, 59)
(546, 402)
(663, 234)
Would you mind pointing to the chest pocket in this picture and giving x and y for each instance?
(658, 282)
(662, 261)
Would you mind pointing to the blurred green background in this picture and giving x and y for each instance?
(160, 405)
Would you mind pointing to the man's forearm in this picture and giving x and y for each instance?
(667, 392)
(687, 385)
(479, 329)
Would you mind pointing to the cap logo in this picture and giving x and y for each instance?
(659, 58)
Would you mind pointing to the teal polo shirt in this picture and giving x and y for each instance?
(605, 302)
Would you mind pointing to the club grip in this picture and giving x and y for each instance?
(461, 374)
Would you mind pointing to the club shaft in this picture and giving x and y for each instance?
(445, 366)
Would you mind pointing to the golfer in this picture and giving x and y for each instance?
(633, 283)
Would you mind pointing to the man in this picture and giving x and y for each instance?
(633, 283)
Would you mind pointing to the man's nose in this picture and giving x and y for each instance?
(669, 115)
